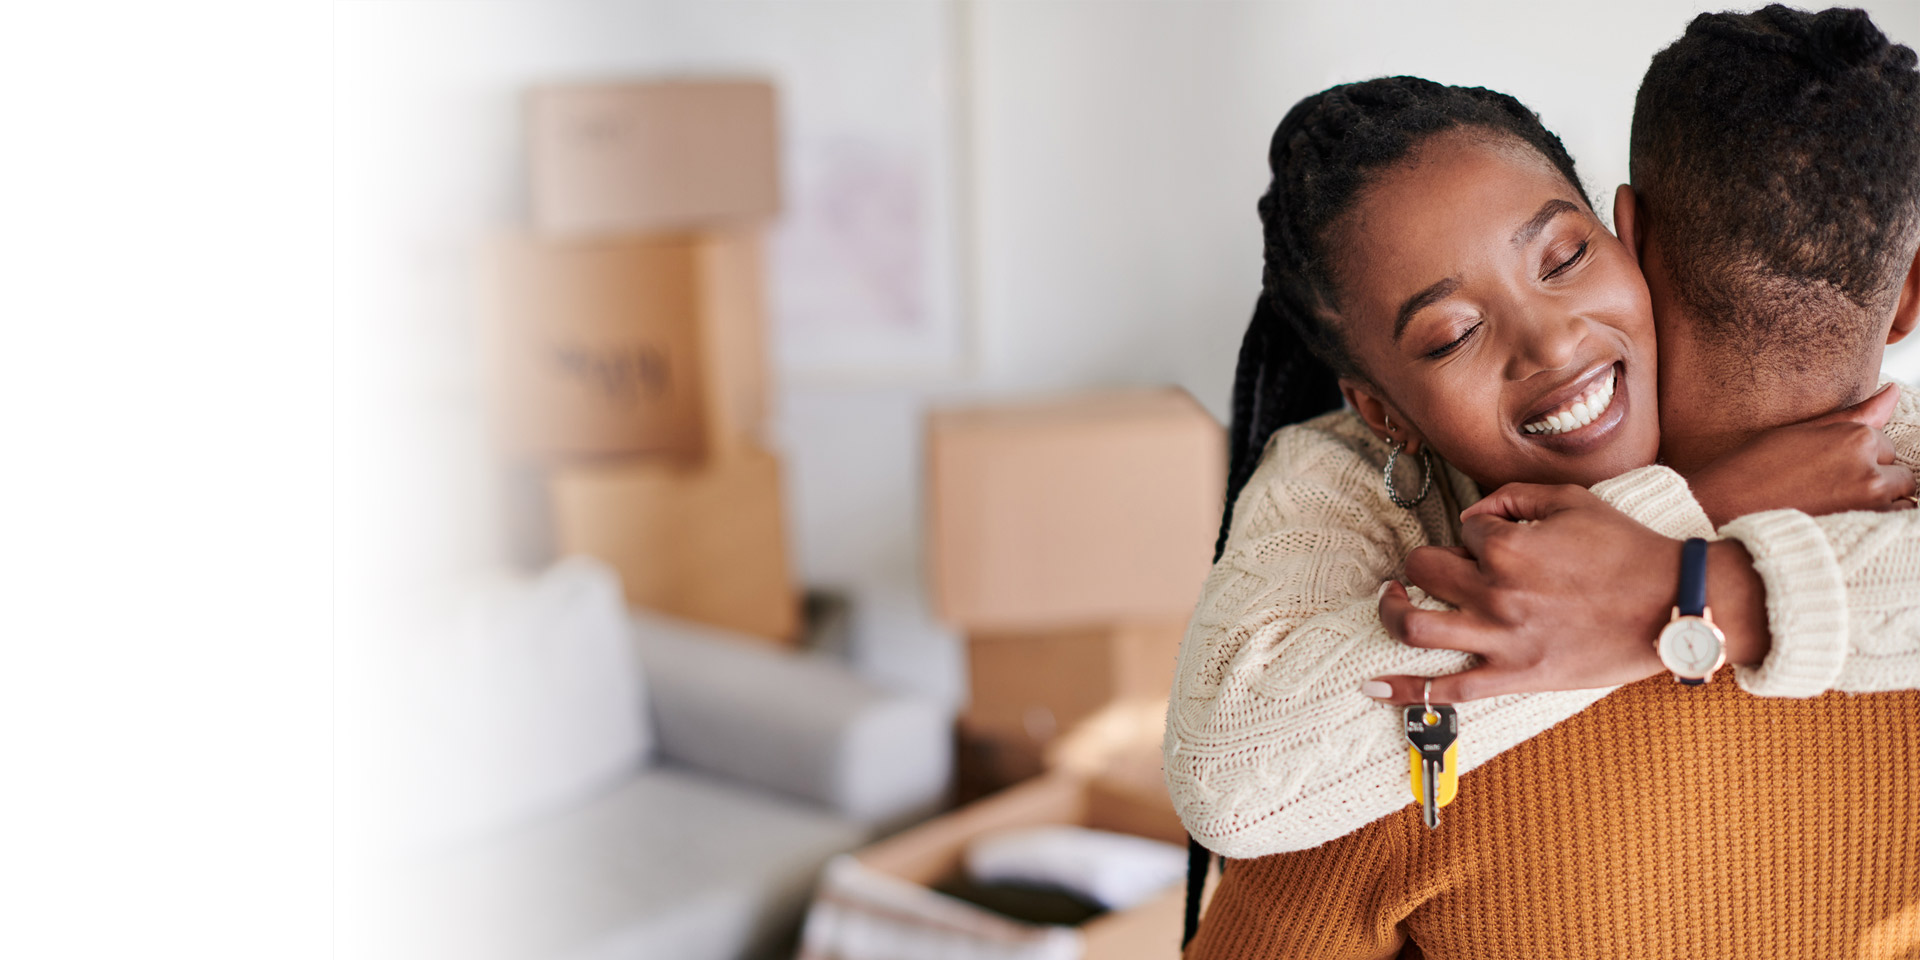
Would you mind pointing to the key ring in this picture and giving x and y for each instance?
(1426, 695)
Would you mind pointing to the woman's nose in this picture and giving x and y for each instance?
(1545, 342)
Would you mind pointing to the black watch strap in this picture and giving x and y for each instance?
(1692, 601)
(1693, 578)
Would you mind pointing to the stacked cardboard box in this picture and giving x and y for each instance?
(630, 344)
(1069, 539)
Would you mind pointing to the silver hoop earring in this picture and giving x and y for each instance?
(1426, 470)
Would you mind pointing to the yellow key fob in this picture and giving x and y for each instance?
(1433, 732)
(1449, 775)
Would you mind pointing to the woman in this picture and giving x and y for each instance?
(1432, 262)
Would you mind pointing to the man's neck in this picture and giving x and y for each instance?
(1713, 399)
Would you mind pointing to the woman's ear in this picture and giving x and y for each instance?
(1380, 416)
(1628, 225)
(1907, 315)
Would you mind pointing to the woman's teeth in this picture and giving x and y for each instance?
(1577, 414)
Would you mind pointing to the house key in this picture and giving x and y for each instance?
(1433, 757)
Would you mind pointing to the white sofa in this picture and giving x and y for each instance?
(696, 831)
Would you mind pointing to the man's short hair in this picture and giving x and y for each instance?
(1778, 153)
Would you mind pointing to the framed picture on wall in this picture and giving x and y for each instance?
(867, 276)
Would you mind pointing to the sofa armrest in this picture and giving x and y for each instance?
(792, 723)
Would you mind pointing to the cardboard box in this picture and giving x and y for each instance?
(705, 542)
(640, 346)
(1092, 700)
(651, 156)
(1041, 684)
(986, 762)
(926, 854)
(1121, 743)
(1094, 509)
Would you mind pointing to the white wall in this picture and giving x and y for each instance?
(1108, 196)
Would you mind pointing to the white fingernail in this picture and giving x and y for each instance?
(1377, 689)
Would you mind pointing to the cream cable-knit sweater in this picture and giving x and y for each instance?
(1271, 747)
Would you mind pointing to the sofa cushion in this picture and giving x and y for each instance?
(671, 863)
(804, 725)
(533, 701)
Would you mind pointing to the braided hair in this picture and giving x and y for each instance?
(1778, 155)
(1329, 147)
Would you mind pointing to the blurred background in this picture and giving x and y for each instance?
(766, 426)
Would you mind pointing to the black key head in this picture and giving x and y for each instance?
(1432, 738)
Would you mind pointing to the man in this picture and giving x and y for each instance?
(1776, 211)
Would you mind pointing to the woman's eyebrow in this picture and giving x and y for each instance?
(1422, 300)
(1542, 217)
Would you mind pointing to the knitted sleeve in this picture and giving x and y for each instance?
(1269, 745)
(1843, 601)
(1843, 591)
(1659, 498)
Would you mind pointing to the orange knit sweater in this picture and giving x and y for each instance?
(1664, 821)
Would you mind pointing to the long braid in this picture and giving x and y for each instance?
(1325, 151)
(1246, 381)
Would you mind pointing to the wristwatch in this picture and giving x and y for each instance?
(1690, 645)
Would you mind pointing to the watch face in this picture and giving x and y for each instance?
(1691, 647)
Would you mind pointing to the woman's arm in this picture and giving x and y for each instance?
(1842, 601)
(1270, 746)
(1842, 592)
(1809, 604)
(1799, 597)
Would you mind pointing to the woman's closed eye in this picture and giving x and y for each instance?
(1567, 264)
(1439, 352)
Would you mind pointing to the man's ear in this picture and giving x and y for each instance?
(1907, 315)
(1628, 224)
(1380, 416)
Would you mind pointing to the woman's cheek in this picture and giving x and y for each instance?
(1623, 297)
(1475, 444)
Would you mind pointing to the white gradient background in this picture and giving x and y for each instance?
(240, 415)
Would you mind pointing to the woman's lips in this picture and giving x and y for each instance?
(1583, 409)
(1576, 424)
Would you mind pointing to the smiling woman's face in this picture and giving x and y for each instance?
(1497, 318)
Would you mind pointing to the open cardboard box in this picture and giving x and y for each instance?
(934, 850)
(1119, 743)
(1041, 684)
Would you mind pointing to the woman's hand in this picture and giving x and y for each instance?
(1829, 464)
(1572, 600)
